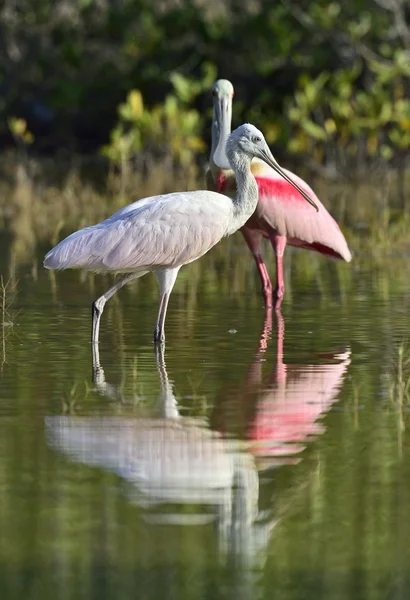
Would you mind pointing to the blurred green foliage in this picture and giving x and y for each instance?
(328, 81)
(171, 128)
(333, 117)
(18, 129)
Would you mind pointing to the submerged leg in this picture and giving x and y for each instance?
(267, 331)
(280, 373)
(98, 305)
(253, 239)
(98, 371)
(166, 279)
(279, 244)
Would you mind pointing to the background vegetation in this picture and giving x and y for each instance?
(330, 78)
(103, 102)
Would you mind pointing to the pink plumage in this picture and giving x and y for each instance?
(288, 412)
(283, 216)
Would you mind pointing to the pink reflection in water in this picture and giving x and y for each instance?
(293, 400)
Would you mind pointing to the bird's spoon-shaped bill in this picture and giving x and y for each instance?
(266, 155)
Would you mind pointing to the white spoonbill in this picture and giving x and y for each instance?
(280, 215)
(162, 233)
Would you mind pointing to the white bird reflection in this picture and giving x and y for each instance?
(168, 460)
(172, 460)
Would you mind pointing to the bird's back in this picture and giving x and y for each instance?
(161, 231)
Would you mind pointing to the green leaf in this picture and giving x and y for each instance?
(314, 130)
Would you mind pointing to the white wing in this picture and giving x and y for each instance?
(162, 231)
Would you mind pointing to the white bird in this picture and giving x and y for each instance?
(162, 233)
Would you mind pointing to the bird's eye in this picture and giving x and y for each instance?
(256, 139)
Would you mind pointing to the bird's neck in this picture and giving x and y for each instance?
(214, 142)
(220, 133)
(246, 197)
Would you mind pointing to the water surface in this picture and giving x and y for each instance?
(257, 457)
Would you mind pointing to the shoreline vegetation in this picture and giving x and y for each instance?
(44, 200)
(102, 104)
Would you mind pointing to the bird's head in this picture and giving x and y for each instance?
(249, 141)
(222, 87)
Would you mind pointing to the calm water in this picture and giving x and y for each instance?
(257, 458)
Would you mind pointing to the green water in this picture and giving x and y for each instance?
(225, 468)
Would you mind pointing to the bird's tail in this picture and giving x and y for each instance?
(82, 249)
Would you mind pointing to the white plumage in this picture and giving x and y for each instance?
(162, 233)
(169, 230)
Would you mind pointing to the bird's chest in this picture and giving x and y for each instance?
(259, 223)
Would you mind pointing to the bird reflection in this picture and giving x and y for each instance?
(278, 412)
(171, 460)
(291, 400)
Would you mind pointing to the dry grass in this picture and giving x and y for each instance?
(56, 198)
(39, 208)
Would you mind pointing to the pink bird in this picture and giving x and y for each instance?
(281, 214)
(292, 401)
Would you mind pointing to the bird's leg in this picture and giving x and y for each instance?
(98, 371)
(253, 239)
(159, 332)
(166, 279)
(279, 244)
(265, 279)
(98, 305)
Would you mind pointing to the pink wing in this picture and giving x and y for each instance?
(284, 210)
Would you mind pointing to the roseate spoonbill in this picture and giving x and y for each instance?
(280, 215)
(162, 233)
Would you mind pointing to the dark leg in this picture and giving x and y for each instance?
(159, 332)
(98, 305)
(253, 239)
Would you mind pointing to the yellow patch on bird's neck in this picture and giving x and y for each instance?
(258, 168)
